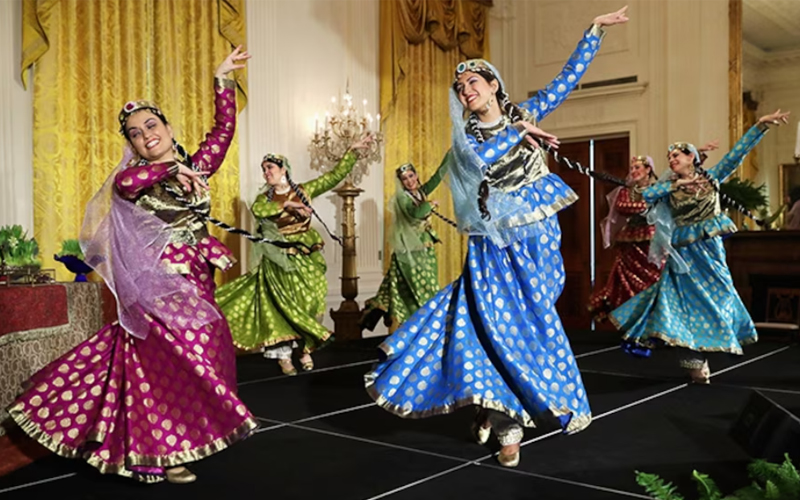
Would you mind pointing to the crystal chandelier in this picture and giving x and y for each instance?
(340, 129)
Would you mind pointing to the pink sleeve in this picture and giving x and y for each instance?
(212, 150)
(131, 181)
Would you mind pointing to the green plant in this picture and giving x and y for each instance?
(770, 481)
(16, 249)
(753, 197)
(71, 247)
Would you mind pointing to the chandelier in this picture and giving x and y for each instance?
(340, 129)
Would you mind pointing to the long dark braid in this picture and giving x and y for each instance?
(725, 199)
(204, 213)
(304, 199)
(512, 111)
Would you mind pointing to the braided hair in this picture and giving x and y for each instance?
(509, 109)
(270, 193)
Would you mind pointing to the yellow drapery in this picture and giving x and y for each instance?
(92, 56)
(421, 42)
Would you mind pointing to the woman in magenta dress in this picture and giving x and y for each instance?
(157, 389)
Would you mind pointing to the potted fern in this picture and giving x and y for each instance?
(770, 481)
(72, 257)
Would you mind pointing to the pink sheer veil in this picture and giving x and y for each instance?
(124, 244)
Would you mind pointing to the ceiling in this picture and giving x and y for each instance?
(772, 25)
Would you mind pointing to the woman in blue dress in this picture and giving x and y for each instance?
(493, 338)
(694, 305)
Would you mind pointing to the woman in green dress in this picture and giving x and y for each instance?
(412, 278)
(279, 304)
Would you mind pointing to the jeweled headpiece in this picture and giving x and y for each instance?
(474, 65)
(131, 107)
(278, 160)
(687, 148)
(405, 167)
(645, 160)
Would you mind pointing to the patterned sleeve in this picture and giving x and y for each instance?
(548, 99)
(212, 150)
(329, 180)
(131, 181)
(731, 161)
(657, 191)
(495, 147)
(436, 179)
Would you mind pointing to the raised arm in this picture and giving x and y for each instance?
(548, 99)
(731, 161)
(212, 150)
(329, 180)
(436, 179)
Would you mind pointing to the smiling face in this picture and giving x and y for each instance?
(410, 180)
(681, 163)
(273, 173)
(639, 171)
(149, 136)
(474, 91)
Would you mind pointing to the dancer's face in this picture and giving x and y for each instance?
(149, 136)
(680, 162)
(474, 92)
(273, 174)
(410, 180)
(638, 171)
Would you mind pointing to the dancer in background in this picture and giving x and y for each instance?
(157, 389)
(412, 278)
(493, 338)
(279, 304)
(694, 305)
(627, 228)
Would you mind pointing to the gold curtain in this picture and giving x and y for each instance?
(92, 56)
(421, 42)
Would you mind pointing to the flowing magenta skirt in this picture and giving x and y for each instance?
(135, 407)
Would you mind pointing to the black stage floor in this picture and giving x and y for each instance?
(322, 437)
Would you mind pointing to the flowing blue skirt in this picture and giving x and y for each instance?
(699, 310)
(491, 338)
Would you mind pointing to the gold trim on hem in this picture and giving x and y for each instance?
(576, 424)
(131, 460)
(670, 342)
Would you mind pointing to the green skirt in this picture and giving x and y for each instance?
(270, 306)
(404, 289)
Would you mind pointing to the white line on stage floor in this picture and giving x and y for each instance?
(598, 417)
(312, 372)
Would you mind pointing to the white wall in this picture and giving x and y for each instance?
(677, 49)
(304, 52)
(772, 79)
(16, 124)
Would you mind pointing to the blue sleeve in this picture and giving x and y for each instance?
(734, 158)
(495, 147)
(657, 191)
(548, 99)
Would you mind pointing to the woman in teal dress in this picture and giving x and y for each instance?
(694, 305)
(413, 276)
(279, 304)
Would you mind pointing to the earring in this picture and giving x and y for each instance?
(489, 103)
(283, 179)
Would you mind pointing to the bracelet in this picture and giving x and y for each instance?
(174, 169)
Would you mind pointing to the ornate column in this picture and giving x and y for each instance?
(346, 318)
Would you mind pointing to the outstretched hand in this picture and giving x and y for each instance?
(534, 131)
(234, 61)
(364, 142)
(709, 146)
(191, 180)
(776, 118)
(618, 17)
